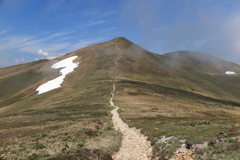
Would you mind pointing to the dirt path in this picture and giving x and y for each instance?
(134, 145)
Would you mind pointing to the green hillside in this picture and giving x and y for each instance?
(182, 94)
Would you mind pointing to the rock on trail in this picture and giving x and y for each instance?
(134, 145)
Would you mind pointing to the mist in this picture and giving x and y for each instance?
(204, 26)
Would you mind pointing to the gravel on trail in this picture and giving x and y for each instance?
(134, 145)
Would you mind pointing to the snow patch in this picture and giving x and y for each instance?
(67, 65)
(230, 72)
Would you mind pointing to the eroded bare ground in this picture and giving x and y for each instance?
(134, 144)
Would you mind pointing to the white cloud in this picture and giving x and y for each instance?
(59, 34)
(45, 54)
(14, 42)
(45, 46)
(28, 42)
(91, 23)
(42, 53)
(21, 60)
(93, 13)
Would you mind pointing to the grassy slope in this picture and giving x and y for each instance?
(75, 115)
(209, 71)
(191, 102)
(18, 82)
(188, 98)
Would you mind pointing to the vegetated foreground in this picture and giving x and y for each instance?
(206, 127)
(178, 100)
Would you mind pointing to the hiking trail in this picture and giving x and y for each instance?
(134, 144)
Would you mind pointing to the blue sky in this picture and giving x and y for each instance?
(37, 29)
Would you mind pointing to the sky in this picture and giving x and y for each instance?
(31, 30)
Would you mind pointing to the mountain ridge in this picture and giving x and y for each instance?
(135, 61)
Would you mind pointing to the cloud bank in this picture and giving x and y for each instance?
(205, 26)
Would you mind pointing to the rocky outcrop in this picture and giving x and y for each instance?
(183, 154)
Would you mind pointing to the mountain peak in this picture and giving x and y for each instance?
(122, 42)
